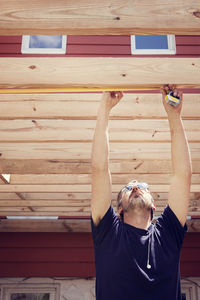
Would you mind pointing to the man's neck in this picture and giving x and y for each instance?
(139, 219)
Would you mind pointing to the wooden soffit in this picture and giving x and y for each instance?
(51, 72)
(85, 17)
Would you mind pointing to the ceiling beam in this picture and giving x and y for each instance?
(65, 225)
(64, 106)
(85, 17)
(80, 166)
(54, 72)
(84, 188)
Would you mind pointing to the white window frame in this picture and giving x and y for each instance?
(171, 47)
(9, 289)
(189, 289)
(26, 50)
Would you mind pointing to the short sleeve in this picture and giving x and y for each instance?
(107, 223)
(169, 222)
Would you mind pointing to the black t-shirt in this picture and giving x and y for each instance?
(121, 255)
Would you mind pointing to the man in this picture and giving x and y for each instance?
(137, 260)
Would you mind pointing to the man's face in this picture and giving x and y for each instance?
(136, 196)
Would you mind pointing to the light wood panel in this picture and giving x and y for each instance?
(45, 140)
(64, 166)
(104, 17)
(83, 130)
(62, 188)
(86, 178)
(66, 225)
(84, 106)
(78, 150)
(94, 72)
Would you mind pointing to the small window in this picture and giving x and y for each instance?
(153, 44)
(30, 292)
(44, 44)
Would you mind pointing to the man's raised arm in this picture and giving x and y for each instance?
(101, 179)
(179, 193)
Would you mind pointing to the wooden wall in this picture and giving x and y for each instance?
(69, 254)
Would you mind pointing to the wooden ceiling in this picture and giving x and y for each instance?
(46, 147)
(45, 139)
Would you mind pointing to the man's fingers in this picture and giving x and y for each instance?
(116, 94)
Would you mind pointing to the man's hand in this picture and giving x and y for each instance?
(111, 98)
(172, 110)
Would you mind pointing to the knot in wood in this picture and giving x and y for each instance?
(32, 67)
(196, 14)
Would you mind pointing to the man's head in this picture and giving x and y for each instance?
(135, 196)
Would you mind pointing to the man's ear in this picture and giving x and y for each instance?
(120, 210)
(153, 206)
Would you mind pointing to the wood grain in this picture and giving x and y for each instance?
(71, 150)
(83, 130)
(94, 72)
(104, 17)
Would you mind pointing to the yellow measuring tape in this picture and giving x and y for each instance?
(68, 90)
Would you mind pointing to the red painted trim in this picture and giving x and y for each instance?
(10, 39)
(188, 40)
(185, 50)
(98, 39)
(89, 46)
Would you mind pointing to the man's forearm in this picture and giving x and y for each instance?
(181, 160)
(100, 147)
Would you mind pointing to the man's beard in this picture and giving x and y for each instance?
(138, 202)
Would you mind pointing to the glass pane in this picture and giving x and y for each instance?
(183, 296)
(151, 42)
(30, 296)
(45, 41)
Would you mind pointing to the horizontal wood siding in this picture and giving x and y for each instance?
(186, 46)
(69, 254)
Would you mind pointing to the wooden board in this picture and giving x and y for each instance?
(78, 150)
(67, 225)
(84, 107)
(83, 130)
(94, 72)
(64, 166)
(104, 17)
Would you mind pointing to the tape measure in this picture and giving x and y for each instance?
(173, 101)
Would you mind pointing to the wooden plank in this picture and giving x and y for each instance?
(45, 226)
(66, 225)
(5, 178)
(64, 166)
(121, 151)
(76, 196)
(86, 178)
(83, 130)
(53, 106)
(77, 205)
(8, 196)
(105, 17)
(63, 212)
(94, 72)
(63, 188)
